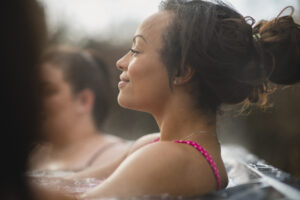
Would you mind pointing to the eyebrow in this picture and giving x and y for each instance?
(140, 37)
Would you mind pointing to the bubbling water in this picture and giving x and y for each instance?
(58, 181)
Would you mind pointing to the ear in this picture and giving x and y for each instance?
(185, 77)
(85, 101)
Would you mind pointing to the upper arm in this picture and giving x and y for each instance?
(142, 172)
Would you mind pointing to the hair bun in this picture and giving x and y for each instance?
(280, 41)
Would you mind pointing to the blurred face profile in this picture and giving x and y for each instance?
(59, 103)
(144, 81)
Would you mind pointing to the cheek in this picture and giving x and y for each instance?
(59, 114)
(148, 86)
(147, 72)
(56, 104)
(139, 72)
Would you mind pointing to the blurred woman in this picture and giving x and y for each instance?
(185, 62)
(77, 89)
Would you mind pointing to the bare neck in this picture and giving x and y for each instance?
(179, 118)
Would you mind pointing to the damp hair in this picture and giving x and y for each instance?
(233, 60)
(83, 69)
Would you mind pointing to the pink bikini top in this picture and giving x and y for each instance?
(205, 154)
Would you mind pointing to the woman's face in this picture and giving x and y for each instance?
(59, 104)
(144, 81)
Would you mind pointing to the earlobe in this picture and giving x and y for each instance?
(185, 77)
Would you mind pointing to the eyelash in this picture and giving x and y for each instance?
(134, 52)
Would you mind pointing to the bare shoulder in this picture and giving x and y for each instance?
(142, 141)
(161, 163)
(164, 151)
(167, 162)
(156, 155)
(159, 168)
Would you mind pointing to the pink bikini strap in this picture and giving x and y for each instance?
(205, 154)
(208, 158)
(155, 140)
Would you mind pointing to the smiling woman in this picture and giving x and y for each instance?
(185, 62)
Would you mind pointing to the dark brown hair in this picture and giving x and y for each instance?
(280, 42)
(232, 61)
(84, 69)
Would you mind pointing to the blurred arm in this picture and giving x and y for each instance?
(102, 171)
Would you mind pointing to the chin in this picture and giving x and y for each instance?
(128, 103)
(124, 103)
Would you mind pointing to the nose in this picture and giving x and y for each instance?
(122, 63)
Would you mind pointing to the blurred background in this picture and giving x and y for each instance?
(108, 27)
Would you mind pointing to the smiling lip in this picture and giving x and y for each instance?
(123, 82)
